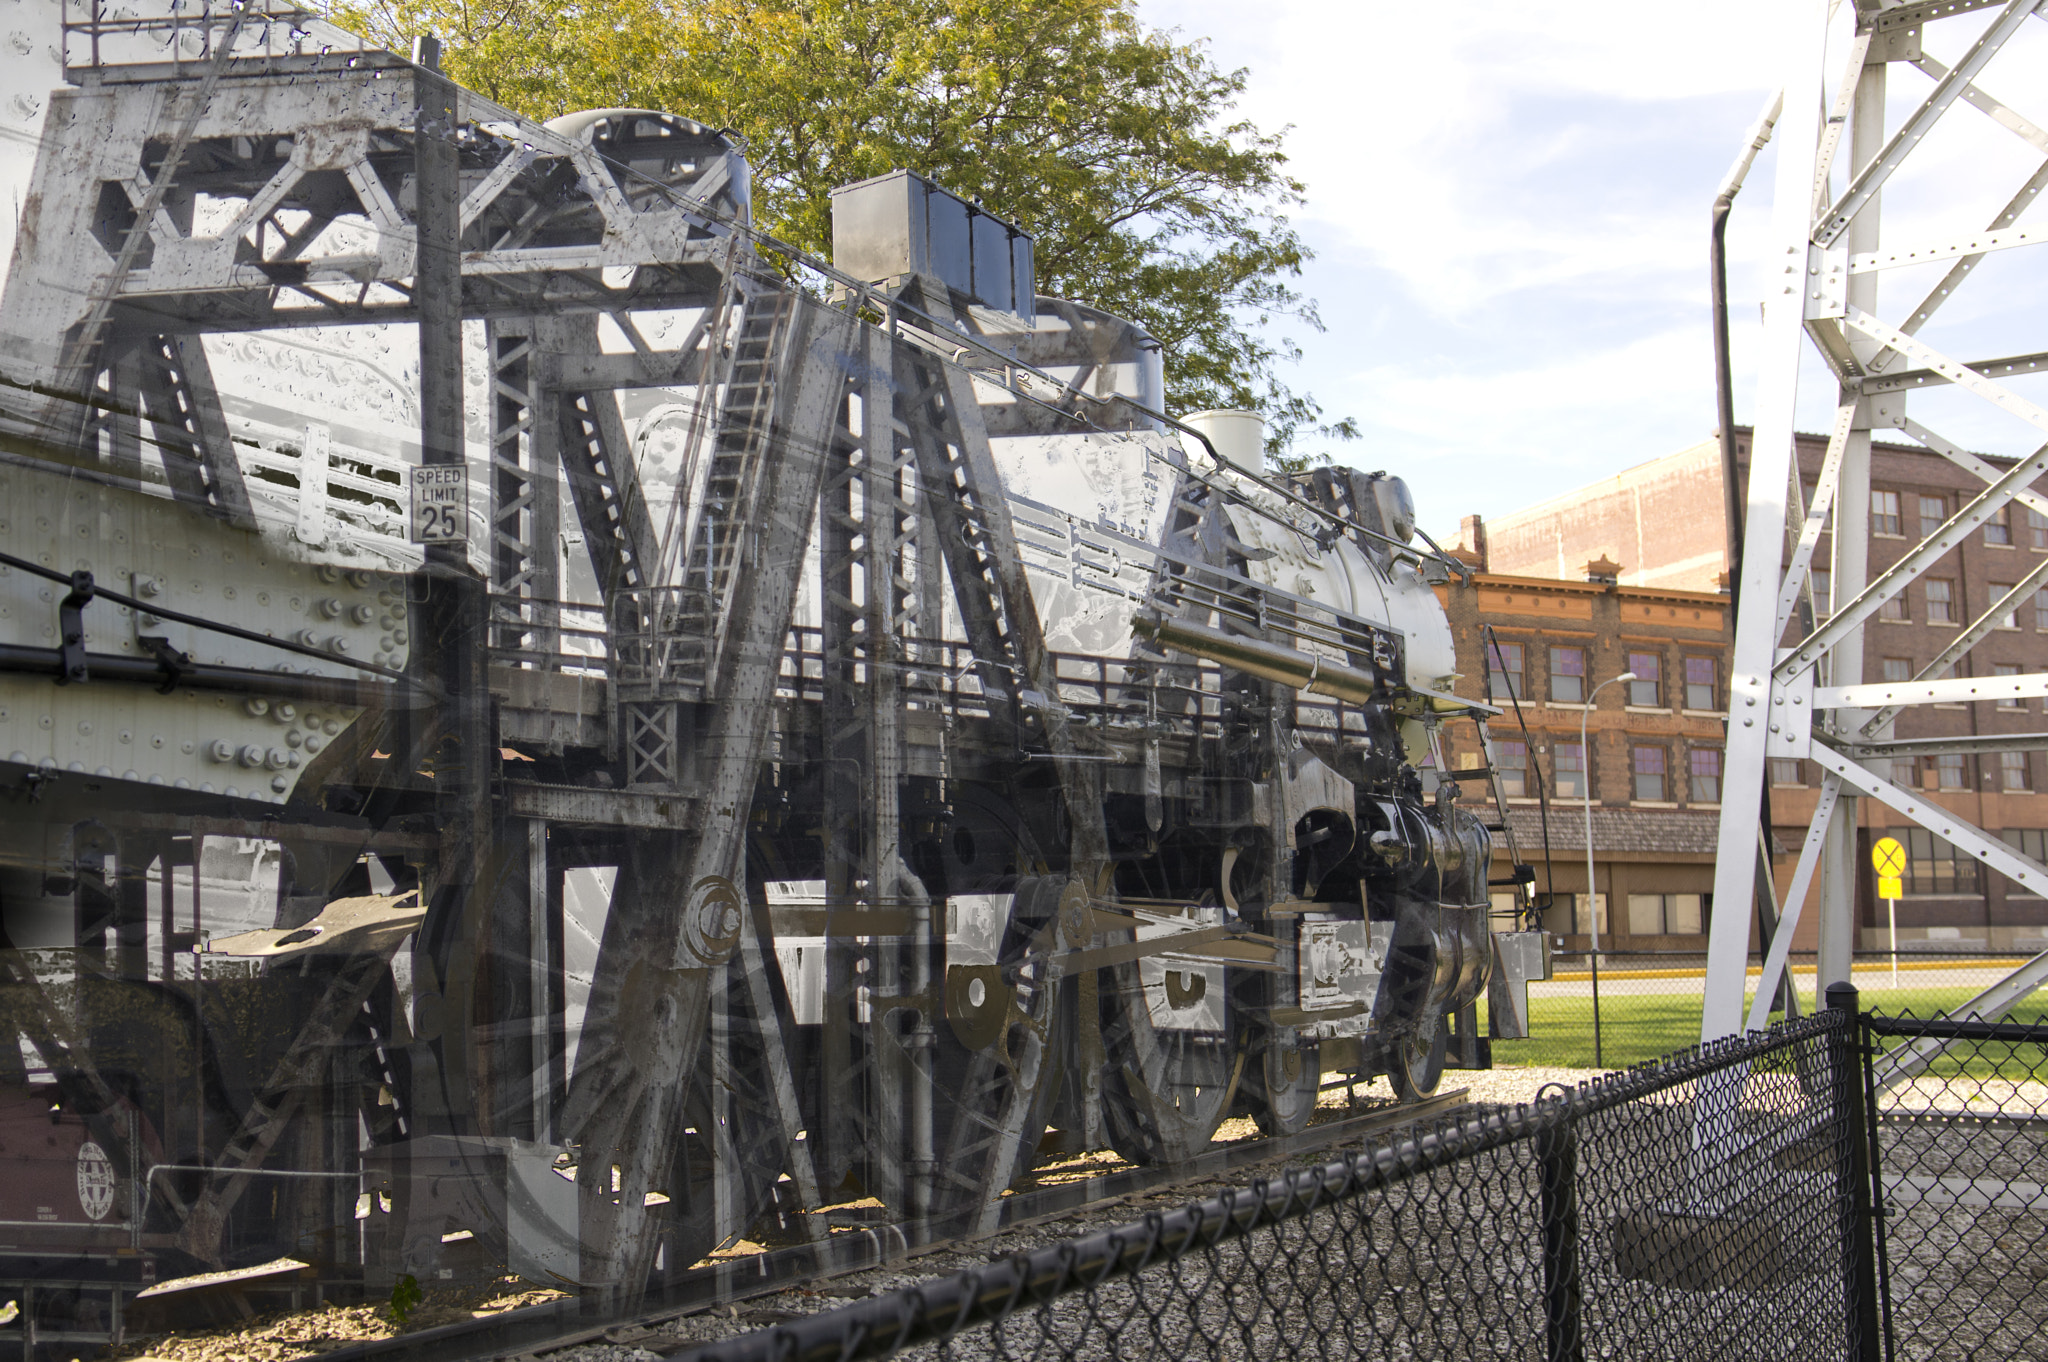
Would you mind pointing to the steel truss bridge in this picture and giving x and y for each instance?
(720, 509)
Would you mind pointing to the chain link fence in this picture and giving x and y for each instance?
(1707, 1207)
(1961, 1144)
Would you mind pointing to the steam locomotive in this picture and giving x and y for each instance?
(607, 749)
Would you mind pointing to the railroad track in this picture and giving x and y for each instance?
(563, 1323)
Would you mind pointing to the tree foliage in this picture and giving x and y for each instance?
(1111, 143)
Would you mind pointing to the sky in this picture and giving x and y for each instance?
(1509, 205)
(1510, 208)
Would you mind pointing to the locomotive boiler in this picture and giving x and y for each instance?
(542, 726)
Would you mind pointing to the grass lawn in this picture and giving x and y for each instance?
(1640, 1027)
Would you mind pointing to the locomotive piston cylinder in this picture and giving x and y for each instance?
(1307, 672)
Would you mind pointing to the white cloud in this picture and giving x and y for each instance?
(1488, 440)
(1411, 133)
(1510, 205)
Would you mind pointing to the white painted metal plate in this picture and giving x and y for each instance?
(1791, 717)
(1827, 282)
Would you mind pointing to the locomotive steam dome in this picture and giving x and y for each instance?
(1238, 438)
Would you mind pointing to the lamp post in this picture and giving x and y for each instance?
(1586, 791)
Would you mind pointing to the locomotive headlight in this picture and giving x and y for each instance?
(1397, 508)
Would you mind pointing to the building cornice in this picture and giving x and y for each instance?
(1563, 586)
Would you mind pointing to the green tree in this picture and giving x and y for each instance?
(1111, 143)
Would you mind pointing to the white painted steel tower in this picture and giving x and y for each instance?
(1883, 116)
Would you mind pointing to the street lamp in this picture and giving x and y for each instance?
(1586, 791)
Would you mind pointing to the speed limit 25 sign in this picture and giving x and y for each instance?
(440, 504)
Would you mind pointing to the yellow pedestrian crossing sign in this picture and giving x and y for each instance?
(1888, 858)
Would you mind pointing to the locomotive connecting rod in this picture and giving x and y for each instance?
(1290, 667)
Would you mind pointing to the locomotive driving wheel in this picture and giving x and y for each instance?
(1415, 1064)
(1164, 1090)
(1283, 1072)
(1001, 1091)
(1281, 1085)
(963, 1072)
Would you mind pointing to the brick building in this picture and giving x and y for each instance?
(1656, 742)
(1663, 520)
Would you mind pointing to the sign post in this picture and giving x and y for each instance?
(1888, 858)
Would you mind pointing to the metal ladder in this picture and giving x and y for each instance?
(745, 434)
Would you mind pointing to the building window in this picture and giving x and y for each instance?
(1892, 607)
(1511, 756)
(1504, 671)
(1706, 775)
(1945, 770)
(1898, 669)
(1998, 529)
(1787, 771)
(1649, 766)
(2037, 528)
(1702, 683)
(1884, 512)
(1568, 765)
(1568, 675)
(2031, 843)
(2009, 619)
(2013, 773)
(1941, 600)
(1667, 914)
(1569, 915)
(1933, 866)
(1823, 592)
(2009, 701)
(1644, 691)
(1933, 510)
(2041, 609)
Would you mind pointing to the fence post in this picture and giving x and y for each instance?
(1859, 1240)
(1557, 1164)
